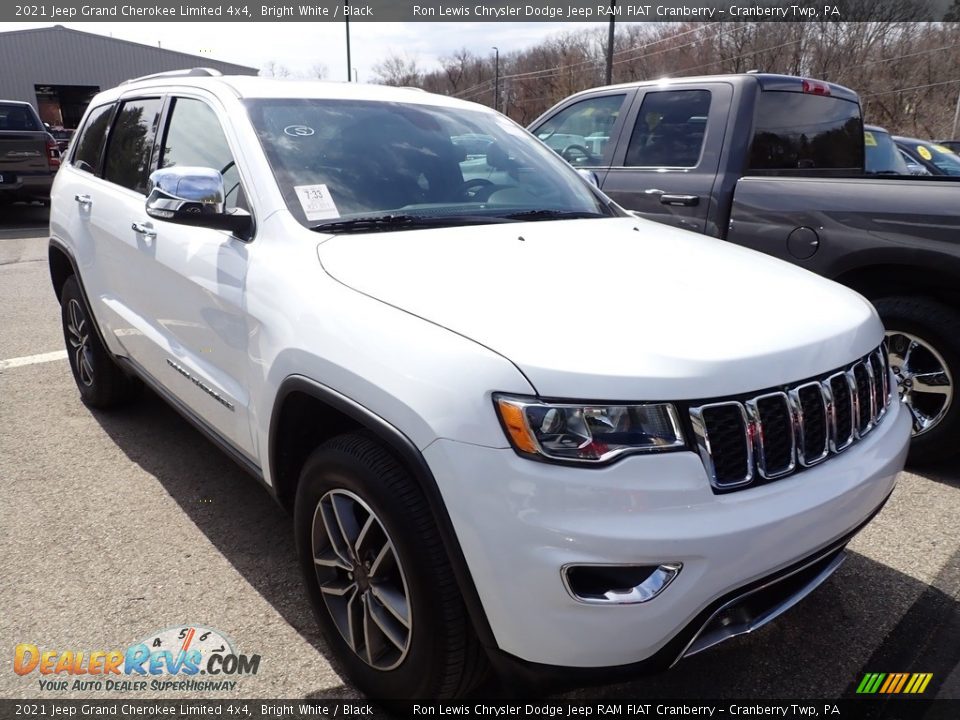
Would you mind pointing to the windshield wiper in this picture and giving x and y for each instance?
(552, 215)
(382, 223)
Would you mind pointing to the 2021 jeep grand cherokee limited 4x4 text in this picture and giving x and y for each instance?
(516, 426)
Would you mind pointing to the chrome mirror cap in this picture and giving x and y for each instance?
(189, 190)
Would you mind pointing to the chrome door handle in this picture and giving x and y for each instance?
(685, 200)
(83, 200)
(144, 229)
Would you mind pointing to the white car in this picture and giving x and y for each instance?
(518, 428)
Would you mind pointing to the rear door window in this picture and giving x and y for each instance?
(93, 136)
(131, 143)
(804, 132)
(670, 129)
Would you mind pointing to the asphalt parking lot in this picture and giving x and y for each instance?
(116, 525)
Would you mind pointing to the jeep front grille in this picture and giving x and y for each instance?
(768, 436)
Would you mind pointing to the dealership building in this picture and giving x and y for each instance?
(58, 70)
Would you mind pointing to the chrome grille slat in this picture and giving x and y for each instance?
(815, 415)
(772, 434)
(768, 467)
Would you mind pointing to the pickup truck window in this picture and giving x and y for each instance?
(93, 135)
(17, 118)
(670, 129)
(356, 159)
(803, 132)
(580, 133)
(194, 138)
(131, 143)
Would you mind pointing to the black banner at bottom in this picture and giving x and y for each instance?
(361, 709)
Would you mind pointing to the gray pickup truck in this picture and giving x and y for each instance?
(776, 163)
(29, 155)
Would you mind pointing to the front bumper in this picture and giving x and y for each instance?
(519, 522)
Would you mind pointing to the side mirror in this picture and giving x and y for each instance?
(193, 196)
(590, 176)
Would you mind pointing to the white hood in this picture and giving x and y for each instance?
(618, 309)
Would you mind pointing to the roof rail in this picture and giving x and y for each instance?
(186, 72)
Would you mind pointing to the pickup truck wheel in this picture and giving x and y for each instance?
(923, 344)
(101, 382)
(378, 576)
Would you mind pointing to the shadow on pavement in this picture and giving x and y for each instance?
(868, 617)
(21, 220)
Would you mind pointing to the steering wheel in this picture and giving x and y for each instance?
(477, 189)
(574, 153)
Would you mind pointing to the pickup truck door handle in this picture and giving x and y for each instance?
(83, 200)
(145, 229)
(686, 200)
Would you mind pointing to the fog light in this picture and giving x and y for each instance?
(618, 584)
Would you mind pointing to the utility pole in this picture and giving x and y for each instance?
(496, 81)
(346, 18)
(613, 5)
(956, 117)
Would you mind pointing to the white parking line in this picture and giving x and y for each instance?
(33, 359)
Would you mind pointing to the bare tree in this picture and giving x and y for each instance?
(398, 70)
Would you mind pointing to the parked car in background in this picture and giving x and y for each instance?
(517, 426)
(62, 135)
(881, 155)
(913, 167)
(29, 155)
(937, 159)
(777, 164)
(953, 145)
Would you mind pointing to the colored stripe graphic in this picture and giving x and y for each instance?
(894, 683)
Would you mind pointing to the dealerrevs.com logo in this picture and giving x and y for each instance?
(185, 658)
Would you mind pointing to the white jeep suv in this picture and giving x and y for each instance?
(518, 428)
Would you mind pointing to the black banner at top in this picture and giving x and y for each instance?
(481, 10)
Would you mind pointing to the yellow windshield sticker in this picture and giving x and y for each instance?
(924, 153)
(942, 149)
(868, 139)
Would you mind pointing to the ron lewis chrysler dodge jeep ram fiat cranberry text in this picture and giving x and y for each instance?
(517, 427)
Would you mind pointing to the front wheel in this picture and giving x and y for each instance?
(923, 345)
(378, 577)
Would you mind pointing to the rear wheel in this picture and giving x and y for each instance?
(378, 576)
(101, 382)
(923, 344)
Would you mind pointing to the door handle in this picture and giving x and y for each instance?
(685, 200)
(83, 200)
(145, 229)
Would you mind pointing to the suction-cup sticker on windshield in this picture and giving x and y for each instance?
(316, 202)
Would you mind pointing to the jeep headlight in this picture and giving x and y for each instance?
(587, 433)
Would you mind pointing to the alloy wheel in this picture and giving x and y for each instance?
(361, 579)
(924, 380)
(78, 328)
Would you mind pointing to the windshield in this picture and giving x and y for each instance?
(882, 155)
(338, 161)
(941, 157)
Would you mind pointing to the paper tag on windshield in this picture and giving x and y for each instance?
(316, 202)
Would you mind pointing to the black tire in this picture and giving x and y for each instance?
(102, 383)
(443, 657)
(937, 326)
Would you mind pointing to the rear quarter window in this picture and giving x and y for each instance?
(90, 142)
(806, 134)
